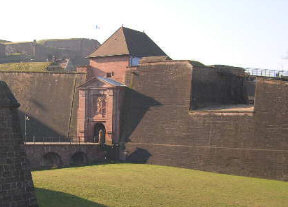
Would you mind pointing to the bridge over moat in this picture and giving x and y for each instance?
(43, 155)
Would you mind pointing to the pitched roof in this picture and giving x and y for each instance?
(110, 81)
(126, 41)
(103, 80)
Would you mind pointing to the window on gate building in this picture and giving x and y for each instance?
(109, 75)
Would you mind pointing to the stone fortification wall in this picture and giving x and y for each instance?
(50, 101)
(75, 49)
(84, 46)
(26, 48)
(217, 86)
(2, 50)
(16, 186)
(158, 127)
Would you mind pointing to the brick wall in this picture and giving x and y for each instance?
(16, 186)
(158, 128)
(116, 64)
(86, 69)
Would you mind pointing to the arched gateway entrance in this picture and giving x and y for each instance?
(99, 133)
(100, 101)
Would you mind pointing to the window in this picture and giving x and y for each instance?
(109, 75)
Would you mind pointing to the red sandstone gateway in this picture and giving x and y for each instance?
(100, 98)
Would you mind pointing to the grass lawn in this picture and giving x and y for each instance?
(151, 185)
(26, 66)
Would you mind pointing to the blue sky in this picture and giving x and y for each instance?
(241, 33)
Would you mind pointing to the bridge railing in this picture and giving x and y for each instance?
(71, 139)
(267, 72)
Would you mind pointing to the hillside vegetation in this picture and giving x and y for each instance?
(4, 41)
(119, 185)
(25, 66)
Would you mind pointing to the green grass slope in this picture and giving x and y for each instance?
(25, 66)
(119, 185)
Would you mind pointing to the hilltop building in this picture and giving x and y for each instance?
(75, 49)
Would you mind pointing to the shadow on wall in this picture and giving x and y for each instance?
(50, 198)
(134, 108)
(140, 156)
(36, 130)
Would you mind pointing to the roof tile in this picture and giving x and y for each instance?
(126, 41)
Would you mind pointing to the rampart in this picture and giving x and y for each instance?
(217, 86)
(75, 49)
(49, 101)
(2, 50)
(26, 48)
(84, 46)
(158, 126)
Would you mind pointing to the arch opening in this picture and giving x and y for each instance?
(51, 160)
(79, 158)
(99, 133)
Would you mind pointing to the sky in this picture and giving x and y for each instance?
(244, 33)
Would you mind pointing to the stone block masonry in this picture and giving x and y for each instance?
(50, 100)
(158, 126)
(2, 50)
(16, 186)
(52, 155)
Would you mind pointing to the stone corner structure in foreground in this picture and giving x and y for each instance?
(16, 185)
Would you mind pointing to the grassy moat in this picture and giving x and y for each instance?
(119, 185)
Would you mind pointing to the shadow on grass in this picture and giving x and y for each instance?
(79, 166)
(48, 198)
